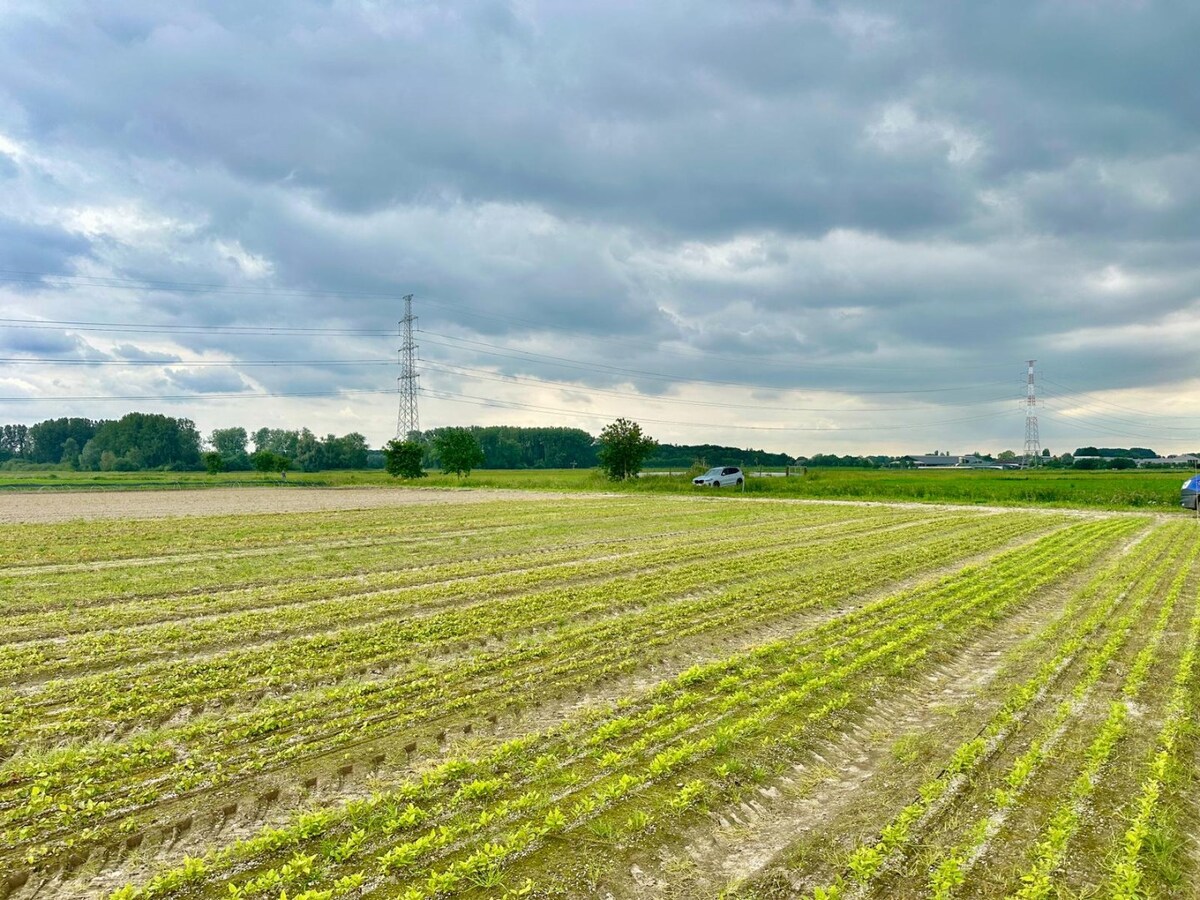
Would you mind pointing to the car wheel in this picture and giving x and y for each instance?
(716, 484)
(739, 482)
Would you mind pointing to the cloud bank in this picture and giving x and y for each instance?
(842, 227)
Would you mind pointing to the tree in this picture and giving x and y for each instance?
(213, 462)
(70, 454)
(14, 441)
(89, 457)
(230, 443)
(346, 452)
(309, 453)
(458, 451)
(404, 459)
(277, 440)
(263, 460)
(151, 440)
(47, 440)
(623, 448)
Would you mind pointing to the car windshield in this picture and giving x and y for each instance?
(716, 471)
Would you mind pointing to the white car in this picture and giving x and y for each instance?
(721, 476)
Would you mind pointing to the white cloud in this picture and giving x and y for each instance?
(898, 129)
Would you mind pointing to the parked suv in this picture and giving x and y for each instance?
(721, 476)
(1189, 493)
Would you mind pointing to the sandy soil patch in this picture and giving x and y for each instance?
(70, 506)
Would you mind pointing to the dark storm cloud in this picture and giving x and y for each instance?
(26, 247)
(38, 342)
(793, 195)
(717, 121)
(206, 381)
(133, 352)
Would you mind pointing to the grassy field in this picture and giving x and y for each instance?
(626, 696)
(1104, 490)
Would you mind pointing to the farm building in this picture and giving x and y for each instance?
(945, 461)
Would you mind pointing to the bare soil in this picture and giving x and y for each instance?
(39, 508)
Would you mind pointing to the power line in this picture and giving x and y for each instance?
(1095, 400)
(134, 328)
(512, 404)
(1102, 430)
(236, 395)
(118, 283)
(531, 356)
(167, 363)
(499, 378)
(183, 287)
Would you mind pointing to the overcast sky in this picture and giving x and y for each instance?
(806, 227)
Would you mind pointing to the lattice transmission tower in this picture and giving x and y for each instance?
(1033, 443)
(407, 421)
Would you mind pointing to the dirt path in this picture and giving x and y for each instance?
(67, 506)
(35, 508)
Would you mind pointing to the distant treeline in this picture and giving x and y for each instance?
(135, 441)
(512, 447)
(680, 456)
(1113, 452)
(140, 441)
(151, 441)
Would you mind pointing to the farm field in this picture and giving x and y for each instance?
(1147, 490)
(579, 696)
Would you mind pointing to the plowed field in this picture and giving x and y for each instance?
(617, 697)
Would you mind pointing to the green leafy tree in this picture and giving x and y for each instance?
(14, 441)
(265, 461)
(404, 459)
(150, 440)
(310, 452)
(457, 450)
(346, 452)
(213, 462)
(231, 444)
(70, 453)
(89, 457)
(623, 448)
(47, 440)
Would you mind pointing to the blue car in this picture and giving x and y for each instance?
(1189, 493)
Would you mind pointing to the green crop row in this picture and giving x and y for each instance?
(382, 566)
(433, 836)
(1127, 873)
(868, 860)
(357, 708)
(461, 584)
(950, 869)
(117, 582)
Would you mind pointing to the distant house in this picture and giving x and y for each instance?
(946, 461)
(1181, 461)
